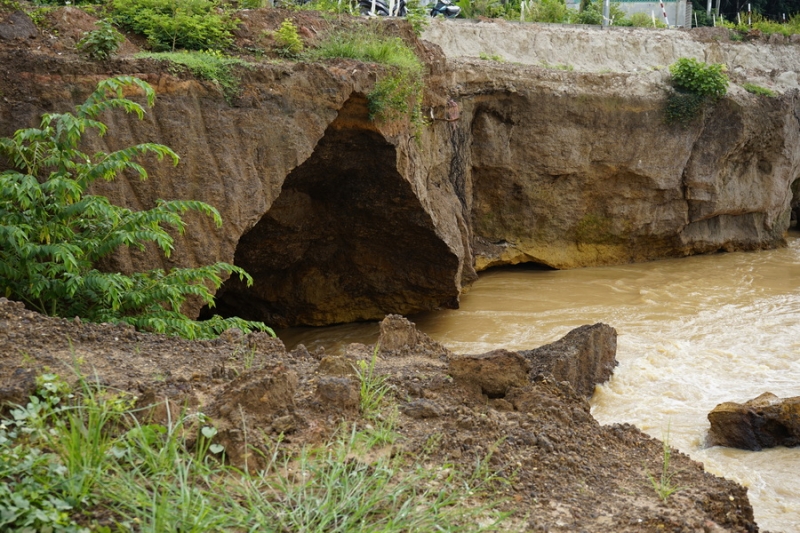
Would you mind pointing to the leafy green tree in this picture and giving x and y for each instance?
(52, 233)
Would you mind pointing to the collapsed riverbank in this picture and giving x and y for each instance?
(558, 469)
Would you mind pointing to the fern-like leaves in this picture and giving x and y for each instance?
(52, 234)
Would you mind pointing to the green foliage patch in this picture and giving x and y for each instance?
(173, 24)
(397, 94)
(101, 43)
(696, 84)
(696, 77)
(153, 477)
(643, 20)
(209, 65)
(287, 41)
(757, 89)
(762, 25)
(682, 108)
(552, 11)
(52, 233)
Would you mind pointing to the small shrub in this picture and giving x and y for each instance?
(699, 78)
(287, 40)
(482, 8)
(101, 43)
(757, 89)
(643, 20)
(552, 11)
(173, 24)
(591, 14)
(417, 15)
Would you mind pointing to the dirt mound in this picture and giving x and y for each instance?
(563, 471)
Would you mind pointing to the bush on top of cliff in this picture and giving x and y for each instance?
(693, 76)
(697, 84)
(173, 24)
(52, 234)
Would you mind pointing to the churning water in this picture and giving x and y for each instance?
(693, 332)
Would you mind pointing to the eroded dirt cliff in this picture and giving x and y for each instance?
(341, 218)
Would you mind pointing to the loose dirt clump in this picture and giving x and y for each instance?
(555, 467)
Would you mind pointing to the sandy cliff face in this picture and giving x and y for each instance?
(571, 161)
(340, 219)
(573, 169)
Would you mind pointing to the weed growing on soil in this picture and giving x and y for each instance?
(491, 57)
(52, 234)
(558, 66)
(664, 486)
(79, 459)
(373, 386)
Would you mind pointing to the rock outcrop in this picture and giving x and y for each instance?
(763, 422)
(585, 357)
(339, 218)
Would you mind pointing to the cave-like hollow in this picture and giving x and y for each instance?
(346, 240)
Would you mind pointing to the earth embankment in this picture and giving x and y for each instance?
(563, 158)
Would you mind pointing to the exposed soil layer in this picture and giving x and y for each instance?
(565, 472)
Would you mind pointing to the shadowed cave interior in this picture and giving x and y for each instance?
(345, 240)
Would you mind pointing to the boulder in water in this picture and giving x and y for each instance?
(763, 422)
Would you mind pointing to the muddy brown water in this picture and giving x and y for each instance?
(693, 332)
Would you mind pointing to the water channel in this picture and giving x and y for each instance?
(693, 332)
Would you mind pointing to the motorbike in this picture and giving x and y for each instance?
(382, 8)
(446, 9)
(397, 8)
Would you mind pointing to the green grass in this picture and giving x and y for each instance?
(208, 65)
(368, 44)
(664, 486)
(82, 460)
(558, 66)
(491, 57)
(757, 89)
(373, 387)
(397, 94)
